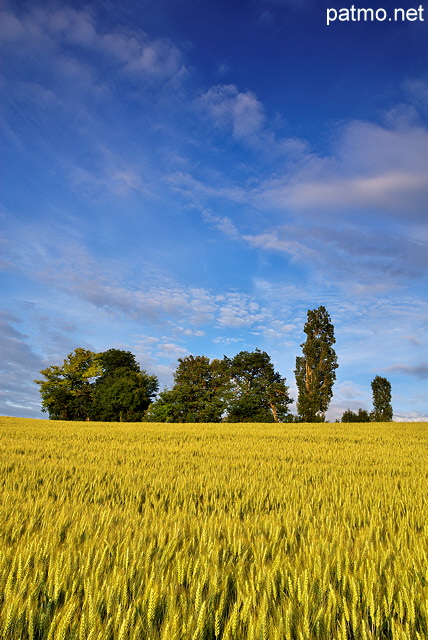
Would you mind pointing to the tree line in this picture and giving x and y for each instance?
(110, 386)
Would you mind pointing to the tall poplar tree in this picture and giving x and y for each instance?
(382, 408)
(316, 368)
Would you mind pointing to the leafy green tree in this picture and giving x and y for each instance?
(361, 416)
(198, 395)
(166, 408)
(66, 390)
(382, 408)
(122, 392)
(97, 386)
(259, 392)
(114, 361)
(245, 388)
(316, 368)
(124, 397)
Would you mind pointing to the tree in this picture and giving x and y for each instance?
(115, 361)
(259, 392)
(315, 369)
(199, 393)
(165, 408)
(122, 393)
(97, 386)
(245, 388)
(351, 416)
(382, 408)
(67, 390)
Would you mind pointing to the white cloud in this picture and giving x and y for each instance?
(239, 112)
(414, 340)
(371, 167)
(43, 31)
(272, 242)
(390, 192)
(277, 330)
(222, 223)
(106, 286)
(172, 350)
(411, 416)
(238, 311)
(76, 26)
(157, 58)
(417, 90)
(364, 260)
(11, 28)
(227, 341)
(197, 191)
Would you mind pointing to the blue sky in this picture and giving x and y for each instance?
(191, 176)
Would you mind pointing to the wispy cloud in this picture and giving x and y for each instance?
(418, 371)
(222, 223)
(239, 112)
(272, 241)
(371, 167)
(106, 285)
(55, 28)
(19, 364)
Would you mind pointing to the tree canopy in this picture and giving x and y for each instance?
(199, 393)
(97, 386)
(260, 393)
(351, 416)
(382, 408)
(245, 388)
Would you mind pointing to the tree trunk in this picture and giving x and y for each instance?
(274, 412)
(308, 376)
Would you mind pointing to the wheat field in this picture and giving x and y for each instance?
(214, 531)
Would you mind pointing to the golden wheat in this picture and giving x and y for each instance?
(213, 532)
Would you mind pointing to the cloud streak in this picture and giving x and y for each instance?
(417, 371)
(371, 167)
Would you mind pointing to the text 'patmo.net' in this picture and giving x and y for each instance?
(359, 14)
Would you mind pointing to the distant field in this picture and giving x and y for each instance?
(201, 532)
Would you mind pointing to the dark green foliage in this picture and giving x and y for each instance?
(245, 388)
(316, 368)
(122, 392)
(91, 386)
(199, 393)
(382, 408)
(67, 391)
(115, 361)
(361, 416)
(165, 408)
(259, 392)
(202, 388)
(124, 397)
